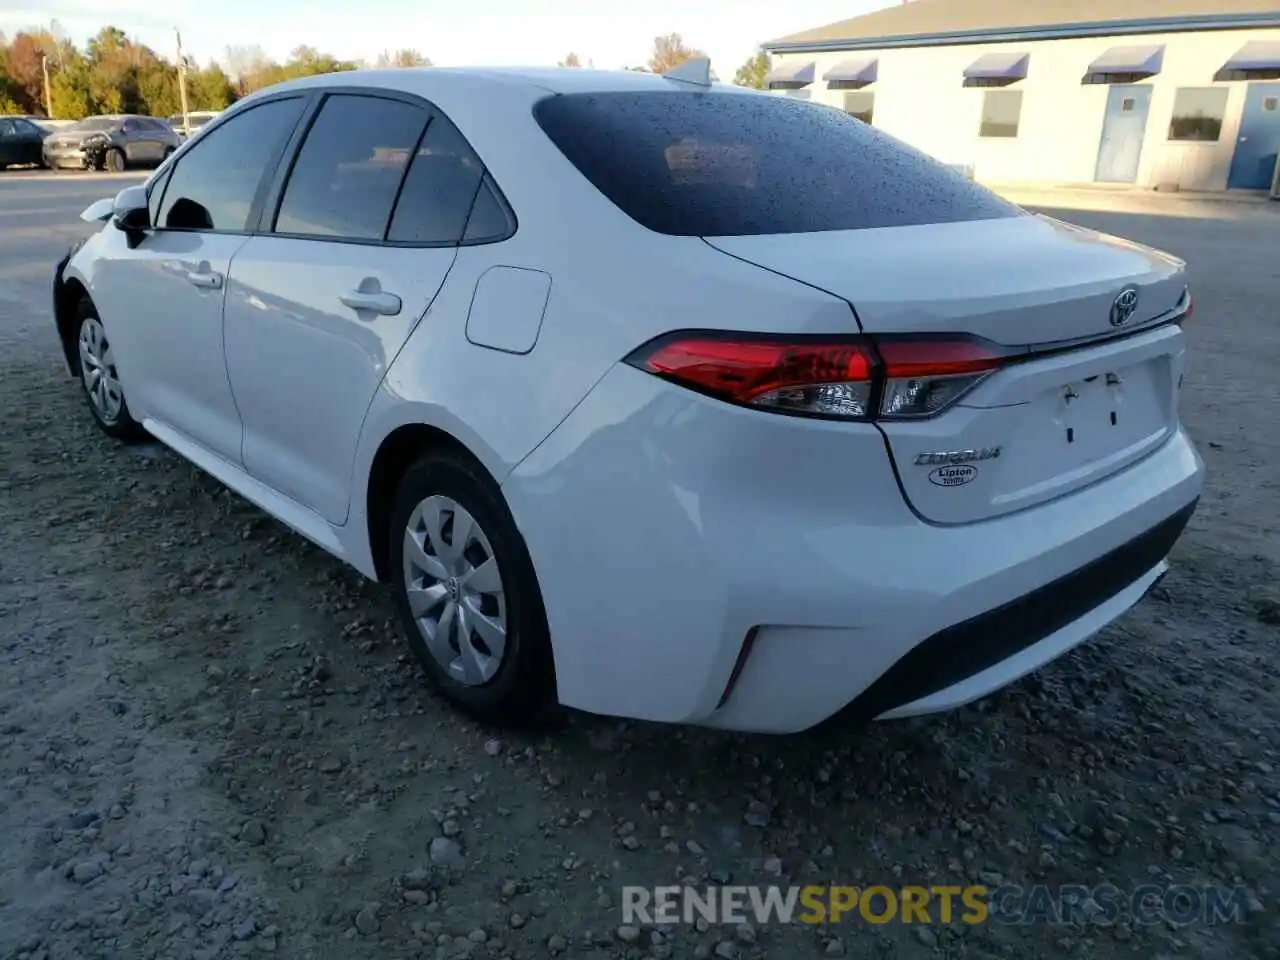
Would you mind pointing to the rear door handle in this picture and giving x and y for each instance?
(385, 304)
(208, 281)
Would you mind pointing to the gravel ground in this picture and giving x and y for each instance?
(214, 744)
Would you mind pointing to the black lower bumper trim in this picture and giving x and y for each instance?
(965, 649)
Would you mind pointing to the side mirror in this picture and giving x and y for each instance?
(129, 210)
(130, 213)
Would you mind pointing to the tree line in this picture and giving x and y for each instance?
(114, 74)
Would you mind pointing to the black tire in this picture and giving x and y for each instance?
(522, 691)
(113, 161)
(121, 425)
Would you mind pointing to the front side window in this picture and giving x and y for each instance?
(860, 104)
(1198, 113)
(736, 164)
(349, 169)
(1001, 113)
(214, 184)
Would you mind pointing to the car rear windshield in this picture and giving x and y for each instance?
(721, 164)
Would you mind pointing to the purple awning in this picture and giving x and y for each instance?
(790, 76)
(1258, 59)
(998, 68)
(852, 74)
(1126, 63)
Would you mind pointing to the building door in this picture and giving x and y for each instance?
(1123, 129)
(1254, 162)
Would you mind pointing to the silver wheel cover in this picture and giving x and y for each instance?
(98, 369)
(455, 590)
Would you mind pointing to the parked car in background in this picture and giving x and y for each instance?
(112, 143)
(21, 139)
(196, 119)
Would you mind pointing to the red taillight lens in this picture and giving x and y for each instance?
(853, 378)
(818, 378)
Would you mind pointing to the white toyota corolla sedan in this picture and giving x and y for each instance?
(649, 396)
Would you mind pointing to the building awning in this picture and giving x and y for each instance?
(997, 69)
(790, 76)
(1125, 64)
(1256, 60)
(852, 74)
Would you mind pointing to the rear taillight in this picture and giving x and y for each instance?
(849, 378)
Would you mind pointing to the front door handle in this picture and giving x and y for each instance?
(362, 301)
(207, 281)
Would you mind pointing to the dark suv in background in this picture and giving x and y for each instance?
(112, 143)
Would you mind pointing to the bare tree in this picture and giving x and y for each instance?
(405, 57)
(572, 60)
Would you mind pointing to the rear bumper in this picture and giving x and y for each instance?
(943, 670)
(665, 527)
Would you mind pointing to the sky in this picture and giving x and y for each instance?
(610, 33)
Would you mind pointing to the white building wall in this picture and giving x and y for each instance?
(920, 98)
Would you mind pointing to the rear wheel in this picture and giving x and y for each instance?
(467, 593)
(99, 377)
(113, 162)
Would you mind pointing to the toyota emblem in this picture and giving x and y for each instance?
(1124, 306)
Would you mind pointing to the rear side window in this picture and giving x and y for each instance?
(717, 164)
(439, 190)
(350, 167)
(214, 184)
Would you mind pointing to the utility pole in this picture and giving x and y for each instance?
(48, 97)
(182, 86)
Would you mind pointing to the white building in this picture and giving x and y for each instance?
(1158, 93)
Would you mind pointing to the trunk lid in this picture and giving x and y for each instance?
(1078, 402)
(1019, 281)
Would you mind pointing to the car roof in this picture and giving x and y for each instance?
(426, 81)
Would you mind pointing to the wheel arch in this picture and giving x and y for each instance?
(398, 451)
(68, 292)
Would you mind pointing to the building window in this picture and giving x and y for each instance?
(1001, 110)
(861, 105)
(1198, 114)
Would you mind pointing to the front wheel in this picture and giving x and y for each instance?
(467, 593)
(113, 162)
(99, 377)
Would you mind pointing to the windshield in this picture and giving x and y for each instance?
(720, 164)
(95, 123)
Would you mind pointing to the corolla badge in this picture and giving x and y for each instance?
(953, 457)
(1124, 306)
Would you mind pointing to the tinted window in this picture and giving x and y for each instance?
(213, 186)
(349, 170)
(861, 105)
(489, 220)
(439, 190)
(1001, 111)
(723, 164)
(7, 128)
(1198, 113)
(26, 126)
